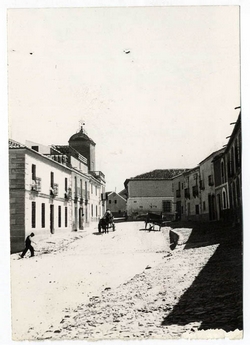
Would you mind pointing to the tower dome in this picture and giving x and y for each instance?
(81, 136)
(81, 142)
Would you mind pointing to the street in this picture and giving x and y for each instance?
(120, 285)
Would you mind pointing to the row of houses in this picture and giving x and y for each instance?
(210, 191)
(53, 188)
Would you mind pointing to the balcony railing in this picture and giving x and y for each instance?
(36, 185)
(54, 190)
(68, 194)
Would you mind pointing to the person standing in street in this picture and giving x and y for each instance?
(28, 245)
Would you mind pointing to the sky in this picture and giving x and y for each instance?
(168, 108)
(156, 87)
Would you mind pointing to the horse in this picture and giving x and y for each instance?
(105, 223)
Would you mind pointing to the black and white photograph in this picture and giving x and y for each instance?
(125, 184)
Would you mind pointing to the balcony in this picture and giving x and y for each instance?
(68, 194)
(36, 185)
(54, 190)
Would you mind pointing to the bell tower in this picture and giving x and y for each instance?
(84, 145)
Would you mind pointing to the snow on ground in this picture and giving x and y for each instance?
(92, 286)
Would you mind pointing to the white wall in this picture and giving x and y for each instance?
(44, 167)
(147, 204)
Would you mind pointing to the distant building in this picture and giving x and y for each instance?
(116, 203)
(187, 195)
(152, 192)
(221, 187)
(232, 161)
(52, 188)
(208, 201)
(212, 190)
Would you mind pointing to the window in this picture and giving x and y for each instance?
(86, 190)
(43, 215)
(92, 210)
(81, 187)
(35, 148)
(197, 209)
(95, 190)
(75, 186)
(222, 172)
(66, 217)
(204, 206)
(115, 201)
(33, 214)
(195, 191)
(210, 180)
(109, 201)
(232, 160)
(59, 216)
(91, 188)
(33, 172)
(96, 211)
(66, 184)
(52, 179)
(224, 199)
(166, 206)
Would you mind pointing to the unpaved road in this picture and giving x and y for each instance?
(119, 285)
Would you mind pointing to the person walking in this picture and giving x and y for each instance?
(28, 245)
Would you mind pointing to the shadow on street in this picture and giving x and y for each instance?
(215, 297)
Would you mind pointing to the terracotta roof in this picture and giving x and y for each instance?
(160, 174)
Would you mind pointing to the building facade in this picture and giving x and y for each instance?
(37, 199)
(52, 189)
(116, 203)
(151, 192)
(212, 191)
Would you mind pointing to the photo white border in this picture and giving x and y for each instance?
(5, 326)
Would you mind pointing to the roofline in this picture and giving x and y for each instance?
(110, 193)
(211, 154)
(236, 127)
(39, 154)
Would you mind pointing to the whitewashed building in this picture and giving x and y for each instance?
(52, 188)
(151, 192)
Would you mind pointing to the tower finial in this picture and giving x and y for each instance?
(82, 123)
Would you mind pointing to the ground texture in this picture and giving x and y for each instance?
(130, 284)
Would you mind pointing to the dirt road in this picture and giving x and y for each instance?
(120, 285)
